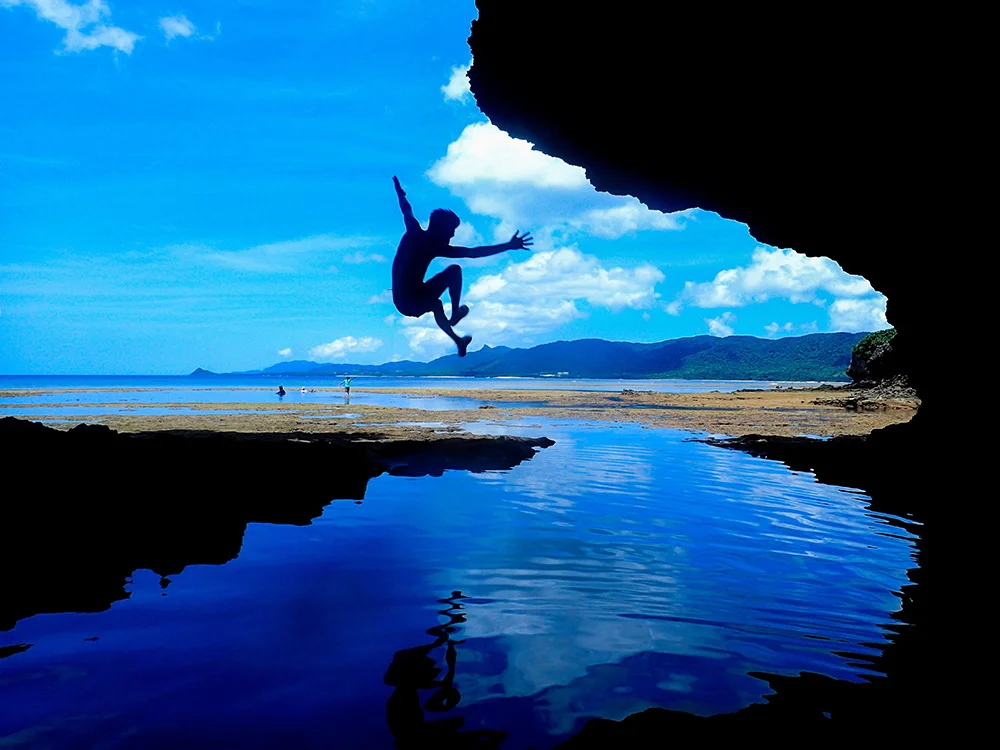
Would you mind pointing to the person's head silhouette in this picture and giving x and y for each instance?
(443, 223)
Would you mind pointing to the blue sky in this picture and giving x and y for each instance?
(209, 185)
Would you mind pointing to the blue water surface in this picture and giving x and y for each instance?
(295, 383)
(619, 569)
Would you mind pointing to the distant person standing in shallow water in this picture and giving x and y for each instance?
(412, 295)
(347, 386)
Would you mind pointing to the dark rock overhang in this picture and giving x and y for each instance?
(828, 131)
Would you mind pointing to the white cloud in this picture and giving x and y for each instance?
(797, 278)
(722, 325)
(275, 257)
(783, 274)
(467, 236)
(427, 340)
(176, 26)
(566, 274)
(773, 329)
(483, 153)
(858, 315)
(381, 298)
(615, 221)
(538, 295)
(85, 24)
(360, 257)
(507, 179)
(340, 348)
(389, 320)
(287, 352)
(457, 87)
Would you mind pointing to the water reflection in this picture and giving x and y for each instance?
(413, 670)
(616, 570)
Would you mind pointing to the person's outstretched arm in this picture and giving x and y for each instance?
(515, 243)
(404, 206)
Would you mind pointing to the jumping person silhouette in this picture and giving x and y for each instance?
(412, 295)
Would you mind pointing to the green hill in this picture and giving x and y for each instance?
(818, 356)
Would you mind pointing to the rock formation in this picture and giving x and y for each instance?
(837, 133)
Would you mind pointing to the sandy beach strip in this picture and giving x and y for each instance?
(784, 412)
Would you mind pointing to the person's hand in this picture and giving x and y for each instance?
(399, 188)
(521, 243)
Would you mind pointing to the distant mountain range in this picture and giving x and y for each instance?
(818, 356)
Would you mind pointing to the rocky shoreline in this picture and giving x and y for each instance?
(893, 393)
(825, 411)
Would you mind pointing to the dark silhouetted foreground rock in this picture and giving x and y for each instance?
(82, 509)
(837, 138)
(790, 124)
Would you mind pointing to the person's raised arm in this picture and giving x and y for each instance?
(516, 242)
(404, 206)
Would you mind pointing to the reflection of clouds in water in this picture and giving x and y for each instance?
(577, 469)
(544, 654)
(793, 509)
(711, 555)
(559, 614)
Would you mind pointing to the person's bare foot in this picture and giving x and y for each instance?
(463, 345)
(460, 313)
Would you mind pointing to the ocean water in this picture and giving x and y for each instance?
(619, 569)
(63, 396)
(271, 382)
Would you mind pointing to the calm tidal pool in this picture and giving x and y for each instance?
(619, 569)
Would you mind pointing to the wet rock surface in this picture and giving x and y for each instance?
(892, 393)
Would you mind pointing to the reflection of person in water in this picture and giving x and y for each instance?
(412, 670)
(412, 295)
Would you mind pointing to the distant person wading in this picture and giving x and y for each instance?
(415, 297)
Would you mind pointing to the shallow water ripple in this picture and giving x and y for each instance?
(622, 568)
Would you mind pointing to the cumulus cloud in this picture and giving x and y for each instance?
(457, 87)
(485, 154)
(340, 348)
(858, 315)
(797, 278)
(381, 298)
(467, 236)
(287, 352)
(567, 273)
(783, 274)
(176, 26)
(507, 179)
(86, 24)
(426, 340)
(722, 325)
(537, 295)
